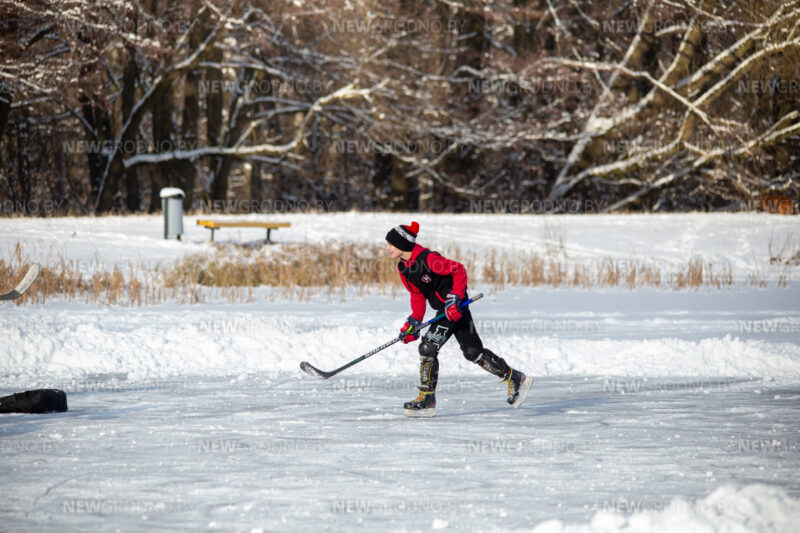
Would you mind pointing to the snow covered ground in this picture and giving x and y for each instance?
(651, 409)
(740, 240)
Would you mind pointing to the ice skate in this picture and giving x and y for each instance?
(423, 406)
(518, 387)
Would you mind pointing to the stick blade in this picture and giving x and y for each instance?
(308, 368)
(24, 285)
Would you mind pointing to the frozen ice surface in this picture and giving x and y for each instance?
(285, 452)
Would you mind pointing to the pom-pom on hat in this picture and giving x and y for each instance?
(403, 237)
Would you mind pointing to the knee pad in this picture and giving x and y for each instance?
(472, 353)
(428, 349)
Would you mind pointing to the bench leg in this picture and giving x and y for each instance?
(212, 234)
(269, 233)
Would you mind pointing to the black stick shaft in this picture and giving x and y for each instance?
(326, 375)
(366, 355)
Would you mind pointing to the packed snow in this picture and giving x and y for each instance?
(652, 410)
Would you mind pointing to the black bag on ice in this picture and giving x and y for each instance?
(35, 401)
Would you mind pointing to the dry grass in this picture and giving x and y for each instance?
(699, 273)
(554, 269)
(62, 279)
(786, 254)
(289, 265)
(757, 280)
(303, 271)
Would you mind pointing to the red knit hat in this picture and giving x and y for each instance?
(403, 237)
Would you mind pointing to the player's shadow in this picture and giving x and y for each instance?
(530, 408)
(562, 406)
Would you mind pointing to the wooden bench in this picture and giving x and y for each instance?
(269, 226)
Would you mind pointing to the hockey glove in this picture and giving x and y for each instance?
(452, 307)
(412, 325)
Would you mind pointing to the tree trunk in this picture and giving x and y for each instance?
(5, 108)
(132, 199)
(100, 133)
(164, 174)
(219, 187)
(190, 117)
(237, 122)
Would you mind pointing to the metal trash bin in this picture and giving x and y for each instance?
(172, 205)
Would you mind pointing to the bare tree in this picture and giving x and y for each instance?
(431, 105)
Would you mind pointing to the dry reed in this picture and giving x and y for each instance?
(301, 271)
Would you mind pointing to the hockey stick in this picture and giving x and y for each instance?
(24, 285)
(321, 374)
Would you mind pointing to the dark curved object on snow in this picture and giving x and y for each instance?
(35, 401)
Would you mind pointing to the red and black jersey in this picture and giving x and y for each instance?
(429, 276)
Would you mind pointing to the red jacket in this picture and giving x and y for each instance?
(431, 278)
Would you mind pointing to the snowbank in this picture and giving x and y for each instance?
(641, 335)
(730, 509)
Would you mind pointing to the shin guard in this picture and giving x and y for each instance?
(493, 364)
(428, 373)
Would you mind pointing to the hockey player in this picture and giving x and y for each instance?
(443, 283)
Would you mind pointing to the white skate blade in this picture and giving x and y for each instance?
(420, 413)
(523, 391)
